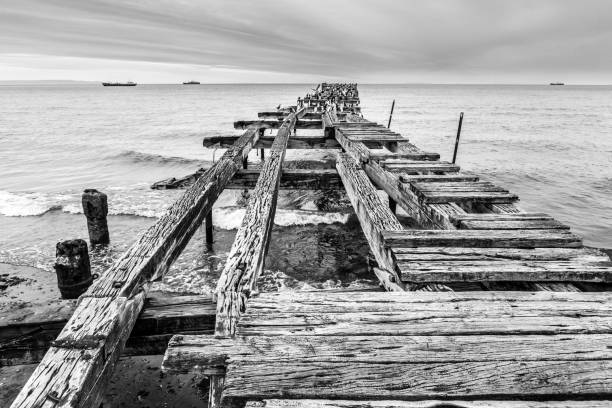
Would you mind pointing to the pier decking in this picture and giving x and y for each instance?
(484, 306)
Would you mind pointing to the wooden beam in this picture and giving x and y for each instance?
(78, 366)
(482, 239)
(295, 142)
(27, 332)
(291, 179)
(321, 403)
(246, 258)
(374, 217)
(276, 124)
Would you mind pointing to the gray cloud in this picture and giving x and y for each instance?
(383, 40)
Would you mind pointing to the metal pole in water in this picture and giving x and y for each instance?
(458, 136)
(391, 114)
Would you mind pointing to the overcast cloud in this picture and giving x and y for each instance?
(513, 41)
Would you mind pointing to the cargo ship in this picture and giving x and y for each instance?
(129, 83)
(191, 83)
(557, 83)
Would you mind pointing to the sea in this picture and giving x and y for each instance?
(552, 145)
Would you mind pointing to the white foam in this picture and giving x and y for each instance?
(231, 217)
(26, 204)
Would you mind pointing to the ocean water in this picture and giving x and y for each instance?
(551, 145)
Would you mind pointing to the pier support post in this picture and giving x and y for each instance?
(262, 154)
(72, 268)
(95, 207)
(209, 230)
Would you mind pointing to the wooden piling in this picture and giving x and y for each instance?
(95, 207)
(72, 268)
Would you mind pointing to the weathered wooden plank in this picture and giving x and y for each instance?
(428, 313)
(509, 270)
(484, 239)
(299, 141)
(502, 217)
(27, 333)
(385, 155)
(484, 186)
(188, 354)
(245, 261)
(276, 124)
(281, 115)
(107, 312)
(374, 216)
(291, 179)
(331, 301)
(441, 197)
(423, 381)
(512, 224)
(499, 254)
(409, 166)
(430, 178)
(321, 403)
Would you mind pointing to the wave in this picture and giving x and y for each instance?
(230, 218)
(27, 204)
(151, 158)
(142, 202)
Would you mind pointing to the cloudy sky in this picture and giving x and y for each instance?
(405, 41)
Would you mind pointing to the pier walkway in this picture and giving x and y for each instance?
(485, 305)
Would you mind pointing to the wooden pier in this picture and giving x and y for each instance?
(484, 306)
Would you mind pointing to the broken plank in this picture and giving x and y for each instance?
(486, 239)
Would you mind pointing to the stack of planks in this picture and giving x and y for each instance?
(342, 345)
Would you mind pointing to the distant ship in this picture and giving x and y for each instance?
(129, 83)
(191, 83)
(557, 83)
